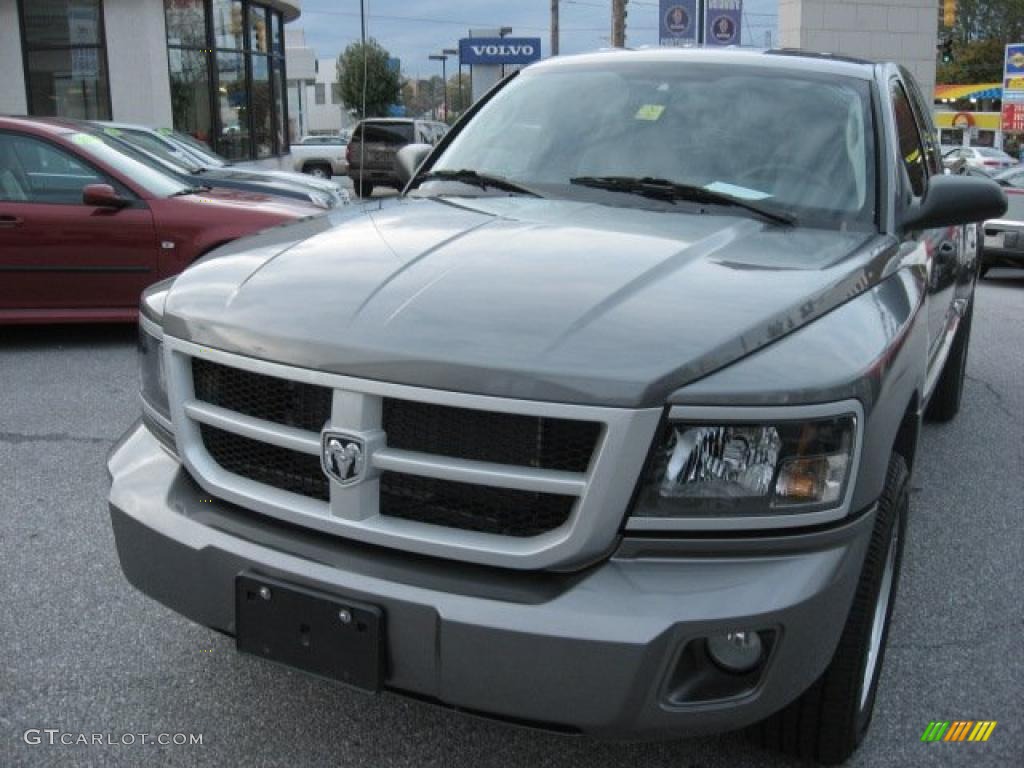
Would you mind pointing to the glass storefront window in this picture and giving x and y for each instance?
(186, 23)
(233, 106)
(66, 65)
(227, 24)
(190, 92)
(259, 33)
(228, 77)
(62, 23)
(70, 82)
(278, 35)
(262, 111)
(277, 80)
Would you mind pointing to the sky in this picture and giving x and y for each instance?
(413, 29)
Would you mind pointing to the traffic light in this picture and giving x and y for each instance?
(946, 50)
(948, 13)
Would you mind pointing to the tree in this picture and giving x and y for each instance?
(458, 102)
(983, 29)
(382, 85)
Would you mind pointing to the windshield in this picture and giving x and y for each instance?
(154, 146)
(202, 151)
(986, 152)
(795, 141)
(125, 161)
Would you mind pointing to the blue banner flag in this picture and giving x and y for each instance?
(722, 19)
(678, 22)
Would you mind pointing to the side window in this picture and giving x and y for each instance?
(38, 172)
(911, 151)
(13, 182)
(923, 115)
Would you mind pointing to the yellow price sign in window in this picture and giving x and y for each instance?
(650, 112)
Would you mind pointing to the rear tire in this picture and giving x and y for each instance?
(945, 402)
(829, 721)
(318, 171)
(363, 188)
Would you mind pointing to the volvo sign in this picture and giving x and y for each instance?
(483, 51)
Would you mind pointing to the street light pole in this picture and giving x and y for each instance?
(444, 82)
(454, 52)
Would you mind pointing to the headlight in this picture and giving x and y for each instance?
(748, 470)
(151, 368)
(322, 200)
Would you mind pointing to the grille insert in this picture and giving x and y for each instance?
(291, 403)
(502, 438)
(268, 464)
(472, 507)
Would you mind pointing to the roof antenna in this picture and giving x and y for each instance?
(362, 106)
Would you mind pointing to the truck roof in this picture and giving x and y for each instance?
(783, 59)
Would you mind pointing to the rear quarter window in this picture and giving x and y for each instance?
(384, 133)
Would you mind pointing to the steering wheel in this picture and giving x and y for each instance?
(775, 171)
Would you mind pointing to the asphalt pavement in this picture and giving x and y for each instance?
(83, 652)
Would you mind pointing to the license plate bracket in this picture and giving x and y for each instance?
(314, 631)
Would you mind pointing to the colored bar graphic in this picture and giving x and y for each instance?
(982, 730)
(958, 730)
(935, 730)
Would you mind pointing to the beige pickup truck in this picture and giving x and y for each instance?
(320, 156)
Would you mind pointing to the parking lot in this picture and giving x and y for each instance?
(81, 651)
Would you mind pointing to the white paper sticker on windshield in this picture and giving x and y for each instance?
(743, 193)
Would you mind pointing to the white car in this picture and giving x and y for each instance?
(175, 145)
(321, 156)
(980, 158)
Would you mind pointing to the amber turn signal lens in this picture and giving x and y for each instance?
(802, 479)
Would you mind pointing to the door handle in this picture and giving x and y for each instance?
(9, 222)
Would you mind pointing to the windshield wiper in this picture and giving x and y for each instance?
(665, 189)
(189, 191)
(476, 179)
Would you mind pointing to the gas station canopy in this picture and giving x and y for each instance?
(976, 91)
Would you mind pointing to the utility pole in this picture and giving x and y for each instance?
(554, 27)
(619, 23)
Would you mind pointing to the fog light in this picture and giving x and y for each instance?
(735, 651)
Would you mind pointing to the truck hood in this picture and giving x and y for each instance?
(520, 297)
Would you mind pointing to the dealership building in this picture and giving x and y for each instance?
(212, 68)
(217, 68)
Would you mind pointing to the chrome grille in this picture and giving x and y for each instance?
(514, 483)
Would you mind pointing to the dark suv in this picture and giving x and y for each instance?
(375, 143)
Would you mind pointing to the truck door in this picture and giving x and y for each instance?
(943, 247)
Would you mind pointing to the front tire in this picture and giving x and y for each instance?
(945, 402)
(829, 721)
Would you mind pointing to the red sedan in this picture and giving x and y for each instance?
(84, 228)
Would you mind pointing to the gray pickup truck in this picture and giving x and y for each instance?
(606, 431)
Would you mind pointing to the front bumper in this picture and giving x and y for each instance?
(597, 651)
(1003, 243)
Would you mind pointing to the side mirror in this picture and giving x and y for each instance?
(409, 159)
(102, 196)
(952, 200)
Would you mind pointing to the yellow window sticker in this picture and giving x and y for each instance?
(650, 112)
(84, 139)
